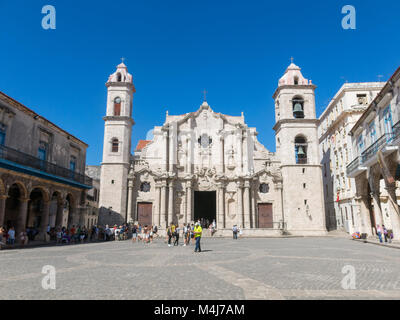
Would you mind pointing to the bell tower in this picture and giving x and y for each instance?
(297, 148)
(116, 146)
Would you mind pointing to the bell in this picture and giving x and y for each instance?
(300, 152)
(298, 108)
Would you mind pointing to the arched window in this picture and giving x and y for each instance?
(300, 148)
(296, 80)
(298, 107)
(117, 106)
(115, 145)
(119, 77)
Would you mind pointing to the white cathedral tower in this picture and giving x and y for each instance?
(297, 149)
(117, 145)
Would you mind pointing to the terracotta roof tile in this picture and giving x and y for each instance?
(141, 144)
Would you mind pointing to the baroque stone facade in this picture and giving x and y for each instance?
(205, 164)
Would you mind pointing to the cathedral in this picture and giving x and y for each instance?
(205, 164)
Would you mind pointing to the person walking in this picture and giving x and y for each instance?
(197, 235)
(385, 233)
(177, 230)
(235, 232)
(184, 234)
(134, 233)
(169, 234)
(11, 236)
(379, 231)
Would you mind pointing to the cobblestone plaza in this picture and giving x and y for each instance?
(288, 268)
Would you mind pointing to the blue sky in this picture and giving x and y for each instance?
(236, 50)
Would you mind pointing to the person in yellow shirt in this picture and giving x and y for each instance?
(198, 230)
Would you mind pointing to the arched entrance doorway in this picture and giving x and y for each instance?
(13, 202)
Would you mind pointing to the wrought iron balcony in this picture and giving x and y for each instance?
(25, 159)
(353, 166)
(376, 146)
(396, 130)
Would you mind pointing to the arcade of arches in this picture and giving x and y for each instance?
(33, 202)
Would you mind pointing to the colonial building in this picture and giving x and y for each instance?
(92, 197)
(375, 165)
(204, 164)
(42, 171)
(335, 123)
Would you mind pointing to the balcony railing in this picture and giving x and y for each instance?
(386, 139)
(376, 146)
(353, 165)
(396, 130)
(25, 159)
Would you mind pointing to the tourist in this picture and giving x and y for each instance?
(176, 236)
(385, 233)
(184, 234)
(151, 234)
(23, 238)
(197, 235)
(240, 232)
(2, 233)
(59, 236)
(134, 233)
(72, 234)
(11, 236)
(117, 232)
(390, 236)
(235, 232)
(379, 232)
(140, 232)
(155, 230)
(169, 235)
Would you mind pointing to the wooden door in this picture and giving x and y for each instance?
(265, 218)
(145, 213)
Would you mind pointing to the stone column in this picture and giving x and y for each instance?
(3, 199)
(157, 205)
(189, 154)
(246, 154)
(59, 213)
(221, 207)
(163, 211)
(394, 211)
(239, 204)
(189, 206)
(170, 202)
(222, 154)
(130, 210)
(364, 215)
(45, 220)
(246, 201)
(377, 209)
(253, 207)
(22, 214)
(165, 151)
(239, 152)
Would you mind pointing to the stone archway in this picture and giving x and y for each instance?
(14, 205)
(38, 211)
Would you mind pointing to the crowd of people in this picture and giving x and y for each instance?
(64, 235)
(82, 234)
